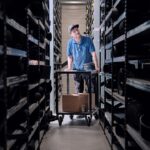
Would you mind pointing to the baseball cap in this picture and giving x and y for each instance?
(71, 27)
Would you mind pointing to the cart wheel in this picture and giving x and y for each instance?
(60, 120)
(71, 117)
(63, 117)
(88, 119)
(46, 127)
(96, 116)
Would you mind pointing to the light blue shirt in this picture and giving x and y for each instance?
(81, 52)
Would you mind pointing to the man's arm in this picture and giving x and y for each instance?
(69, 56)
(93, 53)
(95, 60)
(70, 61)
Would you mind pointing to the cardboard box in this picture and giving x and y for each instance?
(88, 99)
(75, 102)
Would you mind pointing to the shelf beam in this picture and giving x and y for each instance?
(144, 145)
(140, 84)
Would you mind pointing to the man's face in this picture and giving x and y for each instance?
(75, 33)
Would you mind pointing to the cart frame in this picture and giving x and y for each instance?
(88, 115)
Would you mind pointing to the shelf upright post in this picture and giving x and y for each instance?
(125, 75)
(104, 73)
(5, 75)
(28, 49)
(40, 77)
(112, 86)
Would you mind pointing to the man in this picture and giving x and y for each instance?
(80, 51)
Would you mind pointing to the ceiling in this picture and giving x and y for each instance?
(74, 2)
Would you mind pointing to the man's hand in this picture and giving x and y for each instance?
(70, 61)
(68, 69)
(97, 69)
(95, 61)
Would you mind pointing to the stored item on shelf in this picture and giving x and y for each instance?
(15, 39)
(144, 71)
(110, 83)
(34, 53)
(134, 111)
(42, 38)
(31, 145)
(16, 9)
(48, 87)
(38, 8)
(1, 69)
(16, 66)
(121, 81)
(109, 38)
(140, 10)
(20, 132)
(102, 37)
(41, 112)
(102, 11)
(119, 117)
(48, 116)
(13, 96)
(49, 36)
(41, 90)
(145, 127)
(45, 72)
(115, 13)
(118, 50)
(44, 124)
(2, 111)
(9, 36)
(107, 68)
(1, 5)
(34, 74)
(119, 129)
(108, 5)
(38, 96)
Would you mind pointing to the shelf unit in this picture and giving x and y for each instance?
(90, 17)
(56, 45)
(25, 84)
(124, 54)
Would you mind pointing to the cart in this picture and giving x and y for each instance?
(87, 114)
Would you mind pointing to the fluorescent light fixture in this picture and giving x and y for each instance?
(73, 2)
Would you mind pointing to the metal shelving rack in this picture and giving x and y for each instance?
(24, 74)
(56, 45)
(124, 70)
(90, 17)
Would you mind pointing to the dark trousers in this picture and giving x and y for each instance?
(79, 83)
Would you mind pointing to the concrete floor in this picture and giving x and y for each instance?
(75, 135)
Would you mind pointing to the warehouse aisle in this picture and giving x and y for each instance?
(75, 135)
